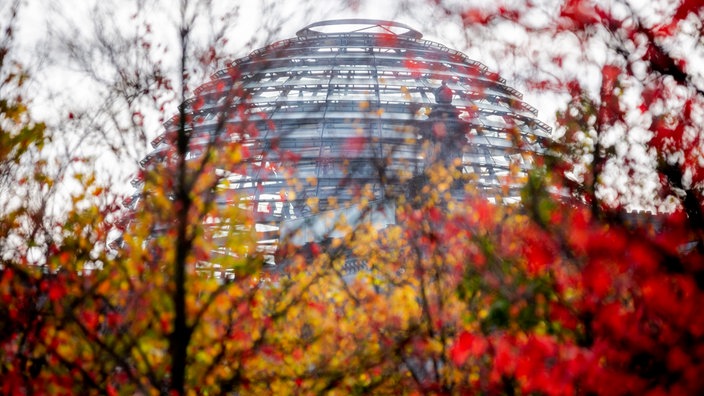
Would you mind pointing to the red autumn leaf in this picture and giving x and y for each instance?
(678, 360)
(510, 14)
(435, 214)
(643, 255)
(609, 75)
(239, 335)
(89, 319)
(686, 7)
(113, 319)
(474, 16)
(56, 291)
(7, 275)
(271, 352)
(315, 249)
(597, 278)
(467, 345)
(504, 363)
(537, 257)
(316, 306)
(560, 314)
(64, 258)
(252, 129)
(355, 145)
(201, 254)
(580, 13)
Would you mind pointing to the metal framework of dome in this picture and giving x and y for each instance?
(345, 96)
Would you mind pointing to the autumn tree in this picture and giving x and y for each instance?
(583, 296)
(165, 294)
(140, 319)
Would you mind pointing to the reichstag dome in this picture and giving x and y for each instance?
(355, 105)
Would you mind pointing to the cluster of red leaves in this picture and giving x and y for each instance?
(637, 306)
(623, 293)
(22, 296)
(622, 316)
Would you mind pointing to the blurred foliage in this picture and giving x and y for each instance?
(563, 293)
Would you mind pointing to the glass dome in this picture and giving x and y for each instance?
(349, 105)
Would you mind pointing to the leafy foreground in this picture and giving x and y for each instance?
(460, 297)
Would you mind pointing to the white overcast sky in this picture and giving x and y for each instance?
(38, 15)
